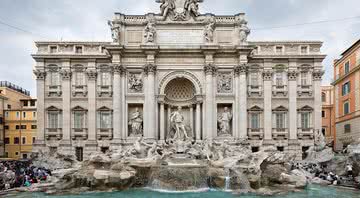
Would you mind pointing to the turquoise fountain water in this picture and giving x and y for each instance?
(312, 192)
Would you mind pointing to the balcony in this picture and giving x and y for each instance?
(305, 89)
(255, 134)
(280, 134)
(280, 90)
(104, 134)
(79, 90)
(254, 90)
(51, 133)
(54, 90)
(81, 133)
(104, 90)
(306, 133)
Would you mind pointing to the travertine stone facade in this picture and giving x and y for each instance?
(228, 88)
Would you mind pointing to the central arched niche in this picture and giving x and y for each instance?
(180, 91)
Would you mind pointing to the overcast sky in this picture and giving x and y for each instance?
(86, 20)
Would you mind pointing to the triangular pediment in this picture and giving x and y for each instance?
(280, 108)
(255, 108)
(78, 108)
(53, 108)
(104, 108)
(306, 108)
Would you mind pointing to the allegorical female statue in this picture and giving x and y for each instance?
(166, 6)
(136, 123)
(224, 122)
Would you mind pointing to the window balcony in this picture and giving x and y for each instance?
(255, 90)
(280, 133)
(81, 133)
(307, 133)
(79, 90)
(51, 133)
(54, 90)
(305, 89)
(104, 90)
(280, 89)
(255, 134)
(104, 134)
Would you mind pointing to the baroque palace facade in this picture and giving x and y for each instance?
(96, 96)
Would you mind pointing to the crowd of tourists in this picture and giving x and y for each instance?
(14, 174)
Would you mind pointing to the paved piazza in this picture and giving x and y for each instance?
(178, 73)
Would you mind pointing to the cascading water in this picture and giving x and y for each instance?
(227, 179)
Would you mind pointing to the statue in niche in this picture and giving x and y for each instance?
(136, 123)
(224, 84)
(150, 32)
(177, 121)
(192, 7)
(209, 30)
(224, 122)
(115, 32)
(135, 83)
(244, 32)
(166, 6)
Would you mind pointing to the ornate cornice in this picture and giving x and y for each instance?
(149, 69)
(317, 74)
(241, 69)
(210, 69)
(66, 74)
(40, 74)
(292, 75)
(267, 75)
(92, 74)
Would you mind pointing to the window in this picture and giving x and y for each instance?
(23, 141)
(6, 114)
(16, 140)
(33, 140)
(9, 106)
(78, 49)
(1, 120)
(79, 120)
(17, 127)
(304, 49)
(279, 79)
(323, 114)
(347, 128)
(24, 114)
(53, 49)
(254, 121)
(254, 80)
(105, 79)
(346, 108)
(54, 79)
(33, 126)
(280, 120)
(18, 115)
(23, 127)
(323, 130)
(105, 120)
(32, 103)
(53, 119)
(79, 78)
(305, 120)
(25, 103)
(279, 49)
(34, 114)
(346, 89)
(25, 156)
(347, 67)
(323, 97)
(16, 153)
(304, 77)
(7, 140)
(6, 127)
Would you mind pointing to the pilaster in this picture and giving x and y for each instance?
(241, 71)
(150, 103)
(117, 103)
(317, 76)
(267, 75)
(292, 76)
(92, 76)
(40, 88)
(66, 103)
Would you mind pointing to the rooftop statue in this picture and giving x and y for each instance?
(179, 10)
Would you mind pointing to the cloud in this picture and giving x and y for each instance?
(86, 20)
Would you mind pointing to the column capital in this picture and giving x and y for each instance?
(210, 69)
(317, 75)
(241, 69)
(267, 75)
(66, 74)
(92, 74)
(40, 74)
(150, 68)
(292, 75)
(118, 69)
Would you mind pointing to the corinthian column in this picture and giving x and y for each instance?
(210, 126)
(117, 100)
(150, 102)
(240, 71)
(40, 88)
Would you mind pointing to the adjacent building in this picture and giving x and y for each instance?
(93, 96)
(2, 120)
(19, 123)
(328, 113)
(347, 96)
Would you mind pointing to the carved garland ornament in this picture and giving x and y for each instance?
(65, 74)
(92, 74)
(293, 75)
(317, 74)
(267, 75)
(40, 74)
